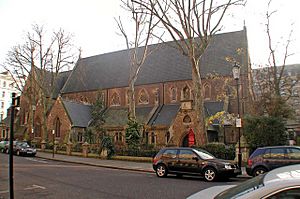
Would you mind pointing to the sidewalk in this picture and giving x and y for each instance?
(113, 164)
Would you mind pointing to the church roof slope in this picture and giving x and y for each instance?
(79, 114)
(164, 64)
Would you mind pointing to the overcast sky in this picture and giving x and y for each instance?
(94, 29)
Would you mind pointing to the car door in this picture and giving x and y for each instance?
(293, 155)
(187, 161)
(169, 157)
(277, 158)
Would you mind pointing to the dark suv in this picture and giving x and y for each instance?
(190, 161)
(267, 158)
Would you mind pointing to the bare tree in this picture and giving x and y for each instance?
(41, 58)
(191, 24)
(274, 85)
(137, 46)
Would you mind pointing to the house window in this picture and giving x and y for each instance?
(168, 136)
(156, 94)
(2, 104)
(3, 133)
(79, 137)
(186, 93)
(173, 94)
(1, 116)
(57, 127)
(115, 99)
(4, 84)
(187, 119)
(153, 140)
(143, 97)
(207, 91)
(118, 137)
(3, 94)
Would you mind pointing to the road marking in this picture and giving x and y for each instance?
(37, 160)
(34, 186)
(1, 192)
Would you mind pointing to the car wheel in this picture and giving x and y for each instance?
(259, 170)
(18, 153)
(161, 170)
(7, 151)
(210, 174)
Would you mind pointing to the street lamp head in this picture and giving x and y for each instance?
(236, 71)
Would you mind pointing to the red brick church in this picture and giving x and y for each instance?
(164, 103)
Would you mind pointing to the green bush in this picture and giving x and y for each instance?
(220, 150)
(136, 153)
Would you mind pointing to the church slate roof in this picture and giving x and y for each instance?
(60, 82)
(117, 116)
(164, 115)
(79, 114)
(164, 64)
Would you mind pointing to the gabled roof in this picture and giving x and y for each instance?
(60, 82)
(79, 114)
(46, 77)
(164, 64)
(164, 115)
(117, 116)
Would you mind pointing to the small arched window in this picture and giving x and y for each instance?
(173, 94)
(115, 99)
(156, 96)
(186, 93)
(207, 91)
(153, 138)
(187, 119)
(168, 136)
(143, 97)
(57, 127)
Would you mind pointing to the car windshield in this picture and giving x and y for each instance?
(243, 188)
(204, 154)
(23, 144)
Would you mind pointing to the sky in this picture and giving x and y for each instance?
(95, 31)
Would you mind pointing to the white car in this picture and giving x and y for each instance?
(283, 182)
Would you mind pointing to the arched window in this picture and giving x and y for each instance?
(173, 94)
(143, 97)
(115, 99)
(186, 93)
(207, 91)
(168, 136)
(57, 127)
(187, 119)
(37, 128)
(156, 94)
(153, 138)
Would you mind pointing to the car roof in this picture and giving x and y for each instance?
(269, 147)
(290, 173)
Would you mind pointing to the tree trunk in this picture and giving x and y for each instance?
(198, 100)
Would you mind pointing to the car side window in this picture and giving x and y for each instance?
(286, 194)
(277, 153)
(186, 154)
(170, 153)
(293, 153)
(267, 153)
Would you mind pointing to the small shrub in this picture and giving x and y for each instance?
(220, 150)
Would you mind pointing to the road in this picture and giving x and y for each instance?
(36, 178)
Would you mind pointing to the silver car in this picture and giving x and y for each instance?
(283, 182)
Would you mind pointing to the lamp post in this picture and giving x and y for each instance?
(236, 76)
(53, 134)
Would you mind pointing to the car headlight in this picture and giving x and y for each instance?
(22, 149)
(228, 166)
(34, 150)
